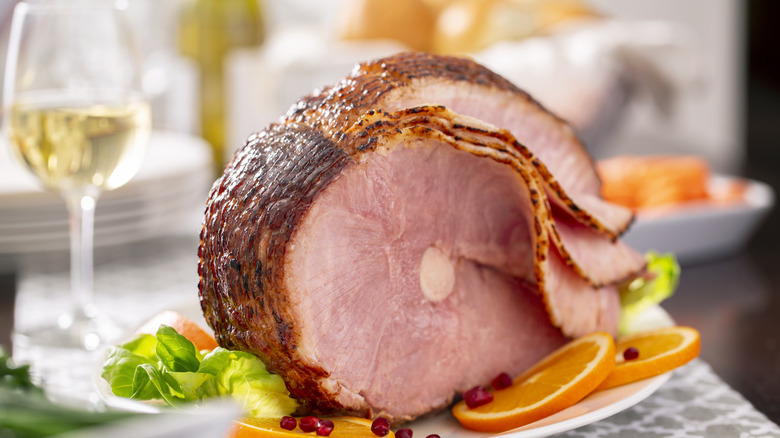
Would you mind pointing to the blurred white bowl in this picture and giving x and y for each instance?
(703, 231)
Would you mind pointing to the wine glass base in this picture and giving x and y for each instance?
(78, 334)
(64, 360)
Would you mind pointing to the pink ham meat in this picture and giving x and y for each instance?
(383, 261)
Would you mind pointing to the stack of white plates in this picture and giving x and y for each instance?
(166, 196)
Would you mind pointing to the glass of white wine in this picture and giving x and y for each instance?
(75, 116)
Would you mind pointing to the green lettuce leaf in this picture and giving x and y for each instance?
(193, 386)
(122, 361)
(175, 351)
(148, 384)
(643, 292)
(168, 367)
(244, 377)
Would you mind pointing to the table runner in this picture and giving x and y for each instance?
(695, 402)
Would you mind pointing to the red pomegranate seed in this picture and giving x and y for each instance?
(288, 423)
(502, 381)
(324, 427)
(403, 433)
(631, 353)
(477, 396)
(433, 435)
(380, 426)
(309, 424)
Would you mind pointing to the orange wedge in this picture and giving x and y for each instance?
(346, 427)
(558, 381)
(660, 350)
(186, 327)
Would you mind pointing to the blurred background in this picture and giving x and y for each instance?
(693, 78)
(632, 76)
(696, 78)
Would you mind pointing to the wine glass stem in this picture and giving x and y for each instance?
(81, 209)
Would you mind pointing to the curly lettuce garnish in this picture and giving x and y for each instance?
(168, 367)
(660, 283)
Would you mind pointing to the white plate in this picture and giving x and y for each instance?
(699, 231)
(595, 407)
(165, 196)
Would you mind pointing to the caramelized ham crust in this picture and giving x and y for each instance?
(413, 79)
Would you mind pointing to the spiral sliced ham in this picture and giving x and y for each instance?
(409, 80)
(574, 241)
(384, 254)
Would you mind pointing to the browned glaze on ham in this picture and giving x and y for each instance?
(383, 260)
(412, 79)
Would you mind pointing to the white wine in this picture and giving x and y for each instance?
(77, 148)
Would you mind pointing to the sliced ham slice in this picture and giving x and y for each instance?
(413, 79)
(617, 262)
(574, 305)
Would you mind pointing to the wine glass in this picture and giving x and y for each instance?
(76, 117)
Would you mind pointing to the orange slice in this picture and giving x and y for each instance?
(660, 350)
(186, 327)
(558, 381)
(345, 427)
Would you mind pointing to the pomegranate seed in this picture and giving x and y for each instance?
(324, 427)
(288, 423)
(309, 424)
(380, 426)
(433, 435)
(502, 381)
(631, 353)
(477, 396)
(403, 433)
